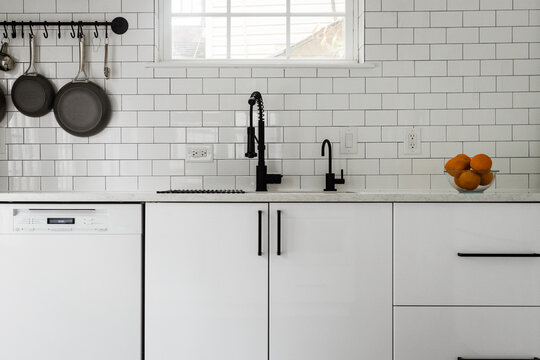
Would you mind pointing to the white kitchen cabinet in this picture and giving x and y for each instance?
(447, 333)
(206, 285)
(330, 288)
(429, 271)
(207, 289)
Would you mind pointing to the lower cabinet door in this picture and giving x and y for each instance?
(449, 333)
(330, 281)
(206, 284)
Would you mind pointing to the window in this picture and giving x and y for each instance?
(260, 30)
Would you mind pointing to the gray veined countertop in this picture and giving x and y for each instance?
(271, 196)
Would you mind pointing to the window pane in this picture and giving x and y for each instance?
(199, 38)
(318, 37)
(257, 37)
(258, 6)
(317, 6)
(198, 6)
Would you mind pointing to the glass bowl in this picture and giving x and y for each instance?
(452, 175)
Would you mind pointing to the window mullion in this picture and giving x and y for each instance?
(229, 35)
(288, 30)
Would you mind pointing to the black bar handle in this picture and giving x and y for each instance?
(462, 358)
(498, 254)
(259, 251)
(279, 233)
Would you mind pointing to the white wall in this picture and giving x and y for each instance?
(465, 71)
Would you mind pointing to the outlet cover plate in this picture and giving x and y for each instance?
(199, 153)
(412, 142)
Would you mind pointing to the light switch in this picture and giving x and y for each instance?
(349, 140)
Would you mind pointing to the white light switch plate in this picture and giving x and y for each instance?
(348, 140)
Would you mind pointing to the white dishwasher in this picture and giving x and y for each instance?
(70, 281)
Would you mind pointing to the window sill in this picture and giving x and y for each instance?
(260, 64)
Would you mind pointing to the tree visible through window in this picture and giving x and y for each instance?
(258, 29)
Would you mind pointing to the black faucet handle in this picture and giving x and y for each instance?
(340, 181)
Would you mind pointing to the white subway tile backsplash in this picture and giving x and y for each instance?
(465, 72)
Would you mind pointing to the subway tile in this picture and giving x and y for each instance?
(167, 167)
(94, 183)
(417, 19)
(218, 86)
(316, 85)
(153, 151)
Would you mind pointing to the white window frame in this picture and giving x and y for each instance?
(354, 46)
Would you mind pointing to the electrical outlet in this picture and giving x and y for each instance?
(199, 153)
(412, 144)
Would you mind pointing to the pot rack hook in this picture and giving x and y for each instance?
(72, 30)
(6, 35)
(106, 31)
(79, 29)
(46, 33)
(59, 33)
(31, 30)
(13, 29)
(96, 34)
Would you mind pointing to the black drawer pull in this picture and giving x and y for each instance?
(278, 253)
(498, 254)
(461, 358)
(259, 252)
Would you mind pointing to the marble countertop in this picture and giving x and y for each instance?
(363, 196)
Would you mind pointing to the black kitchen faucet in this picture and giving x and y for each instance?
(331, 180)
(263, 178)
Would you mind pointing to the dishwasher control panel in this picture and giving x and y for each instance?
(60, 220)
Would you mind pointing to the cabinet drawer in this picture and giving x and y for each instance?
(429, 271)
(446, 333)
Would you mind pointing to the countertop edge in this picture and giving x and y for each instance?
(152, 197)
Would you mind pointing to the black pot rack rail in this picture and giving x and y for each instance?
(118, 25)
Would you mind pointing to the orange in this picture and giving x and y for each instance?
(456, 164)
(481, 162)
(468, 180)
(486, 178)
(464, 157)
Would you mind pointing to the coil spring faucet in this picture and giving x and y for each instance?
(263, 178)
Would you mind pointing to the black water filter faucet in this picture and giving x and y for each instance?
(331, 180)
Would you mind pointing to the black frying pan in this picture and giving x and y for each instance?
(32, 94)
(81, 107)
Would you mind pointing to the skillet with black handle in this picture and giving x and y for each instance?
(81, 107)
(32, 93)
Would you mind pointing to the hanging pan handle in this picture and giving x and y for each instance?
(32, 67)
(81, 75)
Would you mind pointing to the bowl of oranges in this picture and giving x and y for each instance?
(468, 175)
